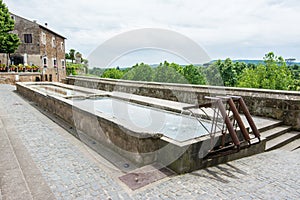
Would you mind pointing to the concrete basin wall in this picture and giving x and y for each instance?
(276, 104)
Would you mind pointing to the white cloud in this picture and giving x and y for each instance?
(232, 28)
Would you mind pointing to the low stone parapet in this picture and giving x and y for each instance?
(13, 77)
(276, 104)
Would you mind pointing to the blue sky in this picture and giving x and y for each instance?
(239, 29)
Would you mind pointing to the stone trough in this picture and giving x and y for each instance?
(130, 127)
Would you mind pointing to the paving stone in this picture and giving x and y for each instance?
(70, 172)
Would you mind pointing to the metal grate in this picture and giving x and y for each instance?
(142, 177)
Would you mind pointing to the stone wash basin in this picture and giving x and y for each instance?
(142, 134)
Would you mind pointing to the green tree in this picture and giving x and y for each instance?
(295, 70)
(112, 73)
(71, 70)
(296, 75)
(177, 67)
(78, 57)
(251, 77)
(228, 72)
(238, 69)
(251, 66)
(213, 74)
(224, 72)
(273, 74)
(9, 42)
(71, 55)
(194, 75)
(296, 85)
(139, 72)
(169, 73)
(96, 71)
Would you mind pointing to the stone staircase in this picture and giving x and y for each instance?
(280, 136)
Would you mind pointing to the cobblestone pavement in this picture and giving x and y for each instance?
(40, 160)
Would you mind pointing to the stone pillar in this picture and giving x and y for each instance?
(25, 59)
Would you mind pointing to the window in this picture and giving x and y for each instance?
(63, 63)
(54, 62)
(62, 45)
(43, 38)
(27, 38)
(53, 42)
(12, 17)
(45, 62)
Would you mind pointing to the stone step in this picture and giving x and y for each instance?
(20, 177)
(275, 132)
(12, 179)
(292, 145)
(267, 125)
(281, 140)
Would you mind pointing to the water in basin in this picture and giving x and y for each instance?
(151, 120)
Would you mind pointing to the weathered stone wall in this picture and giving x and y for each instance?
(57, 51)
(35, 51)
(24, 26)
(12, 78)
(53, 74)
(281, 105)
(137, 147)
(50, 75)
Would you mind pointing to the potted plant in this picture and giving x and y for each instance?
(20, 67)
(2, 67)
(34, 68)
(12, 67)
(37, 68)
(28, 67)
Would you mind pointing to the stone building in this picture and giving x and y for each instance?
(40, 46)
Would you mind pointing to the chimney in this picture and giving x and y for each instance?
(34, 21)
(46, 24)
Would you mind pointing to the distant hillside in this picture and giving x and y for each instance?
(207, 64)
(253, 61)
(250, 61)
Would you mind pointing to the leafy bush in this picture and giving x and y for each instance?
(273, 74)
(112, 73)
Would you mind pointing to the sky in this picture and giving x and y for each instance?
(238, 29)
